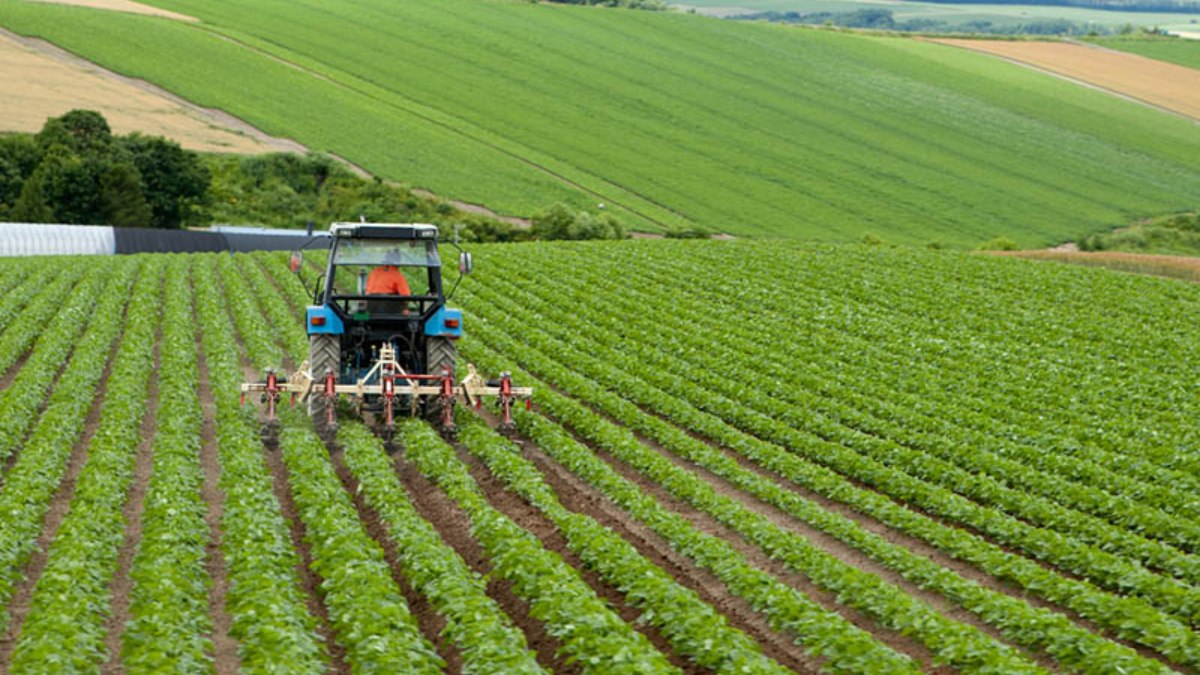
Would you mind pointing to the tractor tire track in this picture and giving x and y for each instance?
(453, 526)
(532, 520)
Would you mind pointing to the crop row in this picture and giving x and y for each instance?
(898, 421)
(275, 309)
(893, 330)
(366, 607)
(587, 629)
(845, 647)
(693, 627)
(168, 605)
(65, 628)
(264, 600)
(40, 466)
(485, 636)
(1019, 621)
(259, 343)
(24, 328)
(54, 320)
(1095, 564)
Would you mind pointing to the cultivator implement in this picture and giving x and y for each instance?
(388, 391)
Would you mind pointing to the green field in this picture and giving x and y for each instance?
(1174, 50)
(667, 118)
(999, 14)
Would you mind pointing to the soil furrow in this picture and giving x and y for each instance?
(580, 497)
(134, 504)
(225, 649)
(532, 520)
(428, 620)
(310, 585)
(14, 370)
(454, 527)
(60, 506)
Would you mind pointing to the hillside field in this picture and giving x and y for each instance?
(884, 461)
(667, 119)
(1179, 51)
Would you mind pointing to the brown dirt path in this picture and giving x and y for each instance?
(1171, 266)
(60, 506)
(1165, 86)
(453, 526)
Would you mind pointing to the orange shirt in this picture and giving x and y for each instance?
(387, 280)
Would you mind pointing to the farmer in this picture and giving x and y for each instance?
(387, 279)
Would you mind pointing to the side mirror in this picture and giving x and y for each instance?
(296, 261)
(465, 263)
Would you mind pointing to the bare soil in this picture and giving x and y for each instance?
(60, 506)
(1159, 84)
(453, 526)
(225, 650)
(127, 6)
(1172, 266)
(42, 80)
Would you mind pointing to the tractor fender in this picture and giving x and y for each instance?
(321, 320)
(445, 322)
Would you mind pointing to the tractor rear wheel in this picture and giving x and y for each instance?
(324, 354)
(439, 353)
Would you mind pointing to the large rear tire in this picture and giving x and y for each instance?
(439, 353)
(324, 354)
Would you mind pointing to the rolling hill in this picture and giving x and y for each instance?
(668, 118)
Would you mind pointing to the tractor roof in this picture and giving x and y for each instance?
(384, 230)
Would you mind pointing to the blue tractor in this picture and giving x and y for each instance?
(380, 333)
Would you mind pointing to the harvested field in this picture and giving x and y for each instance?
(1156, 83)
(1172, 266)
(42, 81)
(126, 6)
(915, 456)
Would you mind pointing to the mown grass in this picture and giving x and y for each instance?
(667, 118)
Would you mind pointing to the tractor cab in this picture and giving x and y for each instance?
(383, 286)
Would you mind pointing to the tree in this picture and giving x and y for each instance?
(83, 131)
(173, 181)
(121, 199)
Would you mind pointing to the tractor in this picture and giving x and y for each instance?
(381, 334)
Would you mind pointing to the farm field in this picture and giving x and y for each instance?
(884, 461)
(999, 14)
(46, 82)
(1184, 52)
(1155, 82)
(849, 135)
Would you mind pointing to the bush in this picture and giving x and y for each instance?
(998, 244)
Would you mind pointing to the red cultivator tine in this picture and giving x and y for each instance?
(330, 400)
